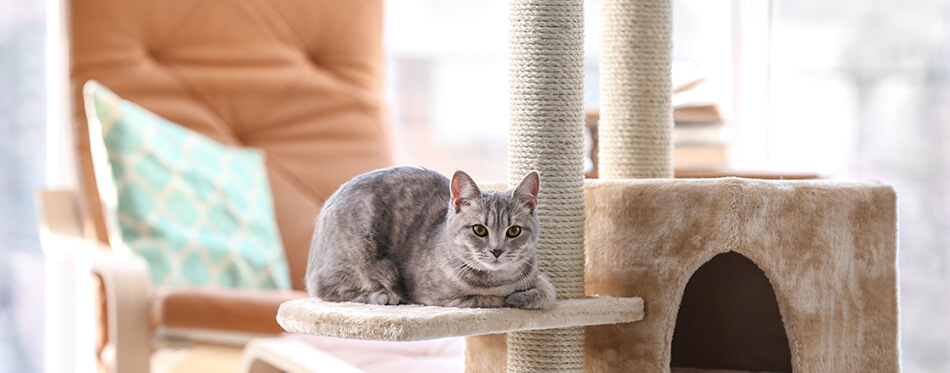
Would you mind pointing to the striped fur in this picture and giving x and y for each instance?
(405, 235)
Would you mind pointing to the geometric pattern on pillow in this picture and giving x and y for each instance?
(199, 212)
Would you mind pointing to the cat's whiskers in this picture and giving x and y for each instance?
(524, 273)
(461, 267)
(451, 267)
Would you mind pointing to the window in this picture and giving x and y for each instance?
(23, 124)
(860, 89)
(448, 83)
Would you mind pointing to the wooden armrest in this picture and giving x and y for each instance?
(128, 318)
(124, 278)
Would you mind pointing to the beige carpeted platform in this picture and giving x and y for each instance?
(416, 322)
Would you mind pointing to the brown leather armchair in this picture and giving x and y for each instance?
(299, 79)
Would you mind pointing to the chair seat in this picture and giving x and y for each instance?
(220, 309)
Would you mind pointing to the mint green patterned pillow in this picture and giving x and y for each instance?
(199, 212)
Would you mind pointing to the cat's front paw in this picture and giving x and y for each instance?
(532, 299)
(382, 296)
(540, 297)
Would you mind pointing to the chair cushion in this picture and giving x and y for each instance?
(299, 79)
(221, 309)
(199, 212)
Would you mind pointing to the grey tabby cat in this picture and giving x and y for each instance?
(409, 235)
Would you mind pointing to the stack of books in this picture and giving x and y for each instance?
(700, 134)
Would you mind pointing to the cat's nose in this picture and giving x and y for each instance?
(497, 253)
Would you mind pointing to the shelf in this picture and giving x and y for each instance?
(417, 322)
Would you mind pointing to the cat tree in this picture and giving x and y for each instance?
(827, 249)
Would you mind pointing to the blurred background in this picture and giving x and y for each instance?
(847, 89)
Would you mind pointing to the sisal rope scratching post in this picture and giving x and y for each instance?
(636, 116)
(547, 99)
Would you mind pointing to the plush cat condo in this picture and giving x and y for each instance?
(658, 274)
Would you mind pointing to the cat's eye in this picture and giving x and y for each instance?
(480, 230)
(513, 231)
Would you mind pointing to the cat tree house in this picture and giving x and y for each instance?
(703, 275)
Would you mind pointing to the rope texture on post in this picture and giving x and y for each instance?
(636, 116)
(547, 123)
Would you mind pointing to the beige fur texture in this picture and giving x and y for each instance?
(829, 250)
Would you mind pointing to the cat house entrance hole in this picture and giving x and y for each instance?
(729, 319)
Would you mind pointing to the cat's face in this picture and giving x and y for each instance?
(494, 230)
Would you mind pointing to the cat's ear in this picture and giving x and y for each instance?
(464, 190)
(527, 191)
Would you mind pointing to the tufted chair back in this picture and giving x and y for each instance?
(299, 79)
